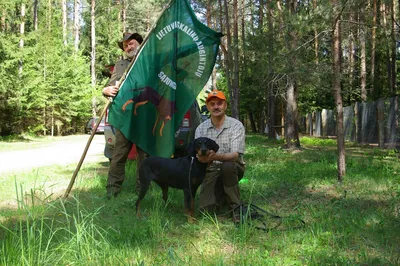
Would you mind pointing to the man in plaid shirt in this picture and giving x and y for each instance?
(227, 166)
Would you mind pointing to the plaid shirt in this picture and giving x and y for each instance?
(230, 137)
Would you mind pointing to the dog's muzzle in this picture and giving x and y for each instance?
(203, 151)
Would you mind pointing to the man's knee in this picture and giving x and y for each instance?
(207, 189)
(229, 174)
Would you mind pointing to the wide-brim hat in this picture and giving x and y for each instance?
(130, 36)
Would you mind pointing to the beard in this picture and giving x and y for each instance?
(131, 54)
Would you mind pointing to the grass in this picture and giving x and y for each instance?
(353, 223)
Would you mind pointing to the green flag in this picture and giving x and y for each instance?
(170, 70)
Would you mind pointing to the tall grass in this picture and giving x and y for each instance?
(353, 223)
(51, 235)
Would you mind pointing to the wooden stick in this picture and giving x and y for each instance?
(78, 167)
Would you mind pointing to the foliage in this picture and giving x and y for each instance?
(50, 86)
(278, 45)
(46, 84)
(8, 84)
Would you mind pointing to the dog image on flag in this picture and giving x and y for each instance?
(165, 108)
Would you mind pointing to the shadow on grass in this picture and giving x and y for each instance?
(362, 209)
(353, 223)
(115, 220)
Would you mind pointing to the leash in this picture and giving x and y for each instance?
(190, 173)
(250, 211)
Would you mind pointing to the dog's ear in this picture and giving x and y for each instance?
(191, 148)
(214, 146)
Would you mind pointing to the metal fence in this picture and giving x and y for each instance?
(367, 123)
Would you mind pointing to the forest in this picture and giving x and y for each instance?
(278, 60)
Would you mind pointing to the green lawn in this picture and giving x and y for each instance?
(354, 223)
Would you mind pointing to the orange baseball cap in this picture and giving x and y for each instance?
(217, 94)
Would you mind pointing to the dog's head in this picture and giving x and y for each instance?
(201, 146)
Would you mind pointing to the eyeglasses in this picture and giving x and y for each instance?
(216, 103)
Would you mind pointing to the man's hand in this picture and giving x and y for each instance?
(222, 157)
(208, 158)
(110, 91)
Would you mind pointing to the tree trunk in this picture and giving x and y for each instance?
(243, 33)
(291, 124)
(341, 164)
(235, 81)
(291, 127)
(351, 59)
(280, 16)
(252, 122)
(45, 103)
(261, 15)
(252, 18)
(243, 56)
(208, 14)
(118, 4)
(388, 45)
(52, 122)
(315, 36)
(22, 33)
(93, 55)
(396, 117)
(228, 53)
(264, 89)
(64, 21)
(373, 45)
(393, 46)
(77, 4)
(379, 83)
(271, 95)
(221, 27)
(363, 56)
(214, 72)
(35, 14)
(123, 13)
(49, 15)
(261, 121)
(44, 121)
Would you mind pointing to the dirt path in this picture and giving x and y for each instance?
(61, 152)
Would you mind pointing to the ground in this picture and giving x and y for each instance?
(58, 151)
(63, 151)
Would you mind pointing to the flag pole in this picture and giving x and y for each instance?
(110, 99)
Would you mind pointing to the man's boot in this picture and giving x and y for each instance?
(234, 197)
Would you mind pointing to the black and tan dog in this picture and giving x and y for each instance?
(186, 173)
